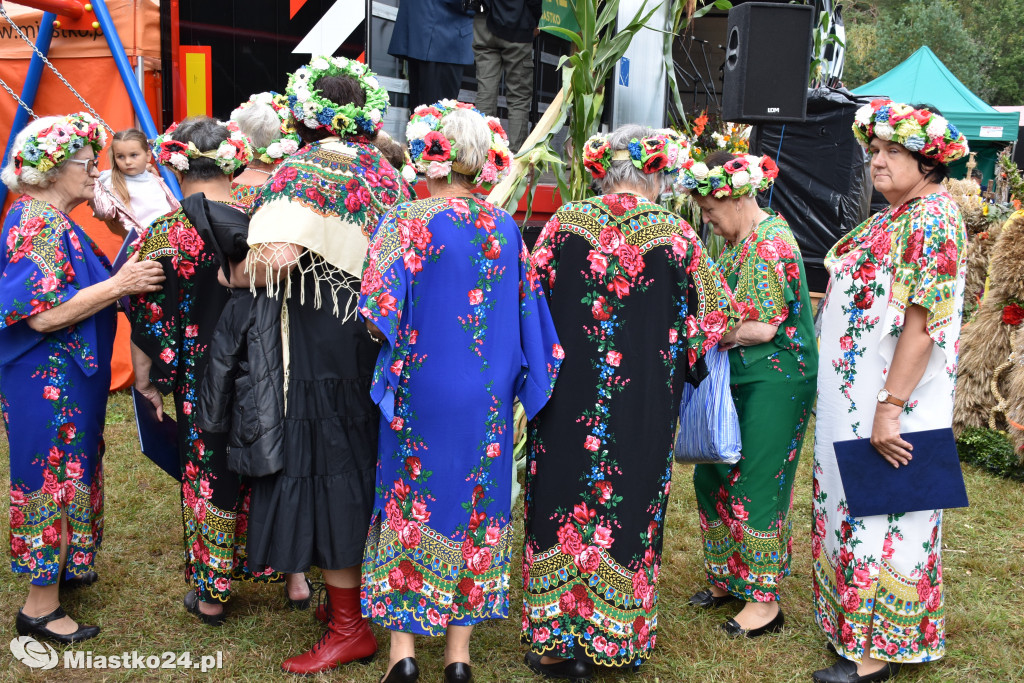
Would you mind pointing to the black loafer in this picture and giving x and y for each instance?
(733, 628)
(573, 670)
(301, 603)
(36, 627)
(458, 672)
(86, 579)
(192, 605)
(404, 671)
(705, 599)
(845, 671)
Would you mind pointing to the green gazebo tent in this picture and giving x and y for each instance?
(924, 79)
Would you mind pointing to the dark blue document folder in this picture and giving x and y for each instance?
(932, 480)
(158, 438)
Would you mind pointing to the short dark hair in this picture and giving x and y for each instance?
(340, 90)
(719, 158)
(206, 134)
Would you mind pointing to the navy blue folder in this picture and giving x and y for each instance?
(158, 438)
(931, 481)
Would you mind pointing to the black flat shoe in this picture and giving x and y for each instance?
(192, 605)
(36, 627)
(733, 628)
(845, 671)
(705, 599)
(86, 579)
(301, 603)
(404, 671)
(458, 672)
(574, 670)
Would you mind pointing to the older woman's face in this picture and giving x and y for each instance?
(894, 170)
(77, 179)
(722, 214)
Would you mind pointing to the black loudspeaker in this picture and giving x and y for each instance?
(767, 62)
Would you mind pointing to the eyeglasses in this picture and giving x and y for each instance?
(89, 164)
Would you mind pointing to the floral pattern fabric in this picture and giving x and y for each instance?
(744, 508)
(245, 195)
(636, 303)
(450, 285)
(53, 390)
(173, 327)
(878, 586)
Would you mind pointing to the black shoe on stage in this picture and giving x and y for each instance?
(36, 627)
(404, 671)
(458, 672)
(573, 670)
(705, 599)
(86, 579)
(845, 671)
(733, 628)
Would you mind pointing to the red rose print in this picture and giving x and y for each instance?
(570, 540)
(476, 296)
(557, 352)
(846, 342)
(866, 272)
(629, 257)
(619, 286)
(851, 599)
(167, 355)
(613, 358)
(609, 239)
(51, 393)
(600, 309)
(915, 246)
(673, 335)
(864, 298)
(714, 323)
(603, 536)
(492, 248)
(485, 221)
(567, 604)
(598, 262)
(589, 560)
(413, 262)
(493, 450)
(67, 432)
(386, 303)
(591, 443)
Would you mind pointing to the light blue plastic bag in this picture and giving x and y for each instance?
(709, 428)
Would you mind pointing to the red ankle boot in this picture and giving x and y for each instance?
(348, 636)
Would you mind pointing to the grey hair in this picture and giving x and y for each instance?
(30, 176)
(623, 173)
(259, 122)
(471, 136)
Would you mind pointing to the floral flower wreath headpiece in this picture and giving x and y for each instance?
(288, 142)
(316, 111)
(60, 141)
(662, 152)
(919, 130)
(230, 155)
(746, 174)
(434, 155)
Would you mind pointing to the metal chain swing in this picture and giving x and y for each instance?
(52, 68)
(18, 99)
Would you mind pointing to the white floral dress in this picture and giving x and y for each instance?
(878, 580)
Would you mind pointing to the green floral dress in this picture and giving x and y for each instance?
(744, 508)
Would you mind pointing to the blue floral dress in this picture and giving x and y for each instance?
(450, 285)
(53, 389)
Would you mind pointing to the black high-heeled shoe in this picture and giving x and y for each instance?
(733, 628)
(404, 671)
(75, 582)
(36, 627)
(458, 672)
(300, 603)
(192, 605)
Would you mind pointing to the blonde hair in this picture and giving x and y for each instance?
(117, 181)
(30, 175)
(471, 136)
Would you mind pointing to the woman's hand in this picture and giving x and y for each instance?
(885, 435)
(151, 394)
(748, 333)
(138, 277)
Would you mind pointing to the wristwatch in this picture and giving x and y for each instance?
(885, 397)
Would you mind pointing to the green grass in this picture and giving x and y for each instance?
(137, 601)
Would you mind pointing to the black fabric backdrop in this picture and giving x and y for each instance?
(822, 179)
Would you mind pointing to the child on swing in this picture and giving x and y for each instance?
(129, 196)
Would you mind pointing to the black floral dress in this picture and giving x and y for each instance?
(636, 304)
(173, 327)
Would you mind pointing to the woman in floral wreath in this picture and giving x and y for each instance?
(309, 233)
(266, 120)
(171, 332)
(773, 357)
(56, 339)
(636, 303)
(889, 338)
(449, 290)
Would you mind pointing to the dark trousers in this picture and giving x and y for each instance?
(433, 81)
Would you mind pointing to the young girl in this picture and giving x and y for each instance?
(128, 196)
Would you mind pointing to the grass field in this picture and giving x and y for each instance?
(137, 601)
